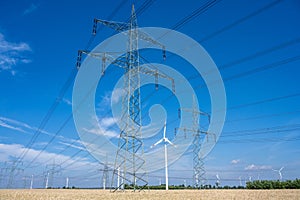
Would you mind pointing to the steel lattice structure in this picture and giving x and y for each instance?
(105, 176)
(198, 163)
(129, 163)
(49, 173)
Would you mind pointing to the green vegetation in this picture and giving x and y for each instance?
(289, 184)
(263, 184)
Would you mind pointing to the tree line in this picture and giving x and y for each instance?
(269, 184)
(258, 184)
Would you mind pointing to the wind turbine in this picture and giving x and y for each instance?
(165, 140)
(218, 180)
(279, 172)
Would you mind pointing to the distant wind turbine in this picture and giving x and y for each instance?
(218, 180)
(165, 140)
(279, 172)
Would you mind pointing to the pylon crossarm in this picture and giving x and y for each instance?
(144, 36)
(157, 74)
(191, 110)
(121, 27)
(117, 26)
(104, 57)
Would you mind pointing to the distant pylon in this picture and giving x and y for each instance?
(31, 182)
(199, 174)
(13, 171)
(105, 176)
(51, 170)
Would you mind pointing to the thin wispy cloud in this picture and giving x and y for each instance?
(73, 146)
(8, 151)
(19, 126)
(8, 126)
(67, 101)
(104, 127)
(15, 125)
(12, 54)
(30, 9)
(112, 97)
(101, 131)
(253, 167)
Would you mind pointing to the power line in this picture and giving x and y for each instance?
(257, 102)
(265, 101)
(247, 17)
(58, 100)
(145, 6)
(264, 116)
(110, 17)
(140, 10)
(48, 115)
(275, 129)
(234, 107)
(258, 140)
(195, 14)
(232, 25)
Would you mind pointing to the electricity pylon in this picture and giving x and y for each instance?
(2, 172)
(51, 170)
(13, 171)
(105, 175)
(199, 178)
(129, 163)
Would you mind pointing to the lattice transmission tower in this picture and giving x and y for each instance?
(129, 167)
(199, 178)
(16, 167)
(49, 173)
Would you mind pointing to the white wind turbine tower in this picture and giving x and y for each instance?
(279, 172)
(165, 140)
(218, 180)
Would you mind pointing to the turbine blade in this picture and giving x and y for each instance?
(159, 141)
(281, 168)
(165, 127)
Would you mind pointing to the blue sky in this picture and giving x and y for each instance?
(256, 52)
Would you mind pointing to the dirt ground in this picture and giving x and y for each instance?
(74, 194)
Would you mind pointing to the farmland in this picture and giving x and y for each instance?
(61, 194)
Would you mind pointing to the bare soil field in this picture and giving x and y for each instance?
(53, 194)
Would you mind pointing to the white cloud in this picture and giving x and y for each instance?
(68, 102)
(101, 131)
(103, 127)
(30, 9)
(8, 151)
(19, 126)
(12, 54)
(25, 128)
(112, 97)
(235, 161)
(117, 95)
(257, 167)
(73, 146)
(6, 125)
(107, 122)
